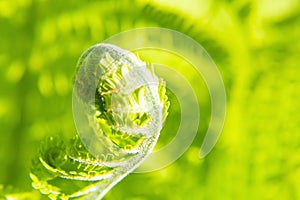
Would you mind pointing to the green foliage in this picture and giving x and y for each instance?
(255, 44)
(123, 139)
(66, 171)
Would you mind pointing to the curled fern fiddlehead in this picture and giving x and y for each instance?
(119, 107)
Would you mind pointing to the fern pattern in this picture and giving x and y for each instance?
(125, 107)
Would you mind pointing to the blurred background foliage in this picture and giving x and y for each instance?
(255, 45)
